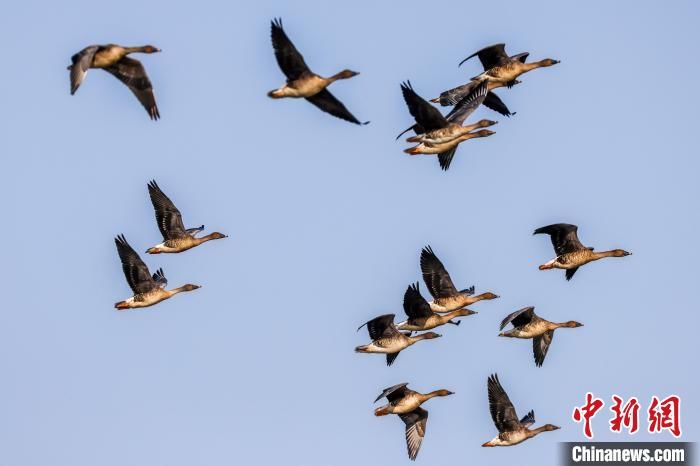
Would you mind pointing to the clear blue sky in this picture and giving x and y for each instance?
(326, 221)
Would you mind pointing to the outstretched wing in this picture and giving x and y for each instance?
(381, 326)
(422, 111)
(495, 103)
(390, 357)
(435, 275)
(137, 275)
(416, 422)
(519, 318)
(563, 236)
(168, 216)
(570, 273)
(454, 95)
(520, 56)
(502, 410)
(329, 104)
(528, 419)
(414, 304)
(395, 392)
(468, 104)
(132, 73)
(81, 63)
(540, 346)
(491, 56)
(290, 61)
(445, 158)
(159, 278)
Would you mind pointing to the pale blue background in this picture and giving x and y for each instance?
(326, 221)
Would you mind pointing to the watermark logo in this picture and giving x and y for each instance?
(662, 415)
(626, 453)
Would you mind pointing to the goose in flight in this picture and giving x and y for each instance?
(503, 69)
(406, 403)
(175, 237)
(302, 82)
(387, 339)
(421, 317)
(113, 59)
(438, 134)
(571, 254)
(511, 431)
(148, 289)
(528, 325)
(500, 70)
(446, 297)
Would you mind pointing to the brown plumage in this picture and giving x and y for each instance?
(440, 135)
(446, 297)
(175, 237)
(304, 83)
(571, 254)
(113, 59)
(528, 325)
(511, 431)
(406, 403)
(387, 339)
(148, 289)
(421, 317)
(503, 69)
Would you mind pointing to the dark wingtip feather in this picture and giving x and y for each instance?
(425, 252)
(154, 113)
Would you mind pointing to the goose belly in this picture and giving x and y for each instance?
(513, 438)
(431, 148)
(526, 332)
(391, 345)
(448, 304)
(178, 245)
(375, 348)
(504, 74)
(574, 259)
(422, 324)
(406, 405)
(443, 135)
(149, 299)
(107, 57)
(306, 86)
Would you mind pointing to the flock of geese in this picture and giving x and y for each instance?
(448, 303)
(435, 134)
(150, 289)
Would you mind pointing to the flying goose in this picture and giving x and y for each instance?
(511, 431)
(421, 317)
(175, 237)
(571, 254)
(527, 324)
(302, 82)
(446, 297)
(440, 134)
(387, 339)
(502, 69)
(148, 290)
(113, 59)
(406, 403)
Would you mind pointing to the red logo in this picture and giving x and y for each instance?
(665, 415)
(625, 416)
(587, 412)
(662, 414)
